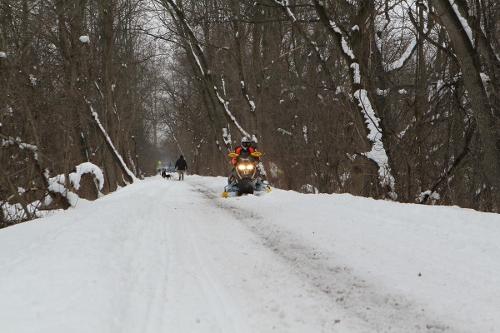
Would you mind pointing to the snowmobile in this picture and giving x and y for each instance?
(246, 178)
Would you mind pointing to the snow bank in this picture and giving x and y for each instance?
(57, 184)
(16, 213)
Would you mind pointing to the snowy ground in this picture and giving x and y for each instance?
(168, 256)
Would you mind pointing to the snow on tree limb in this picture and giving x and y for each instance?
(115, 152)
(201, 62)
(404, 57)
(250, 102)
(223, 84)
(286, 5)
(356, 75)
(283, 131)
(378, 153)
(463, 20)
(200, 67)
(226, 136)
(225, 104)
(345, 45)
(10, 141)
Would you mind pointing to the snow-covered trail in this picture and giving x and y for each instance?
(168, 256)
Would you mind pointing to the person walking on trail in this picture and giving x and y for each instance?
(181, 167)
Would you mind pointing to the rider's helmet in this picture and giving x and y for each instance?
(246, 142)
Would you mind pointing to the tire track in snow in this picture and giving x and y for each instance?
(261, 290)
(382, 310)
(147, 266)
(192, 292)
(209, 285)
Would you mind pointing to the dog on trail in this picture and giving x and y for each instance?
(165, 175)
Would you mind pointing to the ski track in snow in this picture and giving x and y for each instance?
(173, 256)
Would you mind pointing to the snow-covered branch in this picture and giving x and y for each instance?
(378, 153)
(463, 20)
(10, 141)
(225, 104)
(198, 55)
(131, 177)
(285, 6)
(397, 64)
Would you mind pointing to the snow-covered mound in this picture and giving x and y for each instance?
(174, 256)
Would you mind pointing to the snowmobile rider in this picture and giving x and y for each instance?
(245, 149)
(181, 167)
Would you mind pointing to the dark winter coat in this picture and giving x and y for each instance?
(181, 164)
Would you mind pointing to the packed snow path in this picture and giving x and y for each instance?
(169, 256)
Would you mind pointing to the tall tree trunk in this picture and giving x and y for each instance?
(488, 123)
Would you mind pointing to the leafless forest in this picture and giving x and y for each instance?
(395, 99)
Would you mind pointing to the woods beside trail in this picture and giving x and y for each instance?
(395, 99)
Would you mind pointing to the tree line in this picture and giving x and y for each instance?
(392, 99)
(75, 85)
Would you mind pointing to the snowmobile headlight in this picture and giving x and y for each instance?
(245, 167)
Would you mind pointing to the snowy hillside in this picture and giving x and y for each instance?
(168, 256)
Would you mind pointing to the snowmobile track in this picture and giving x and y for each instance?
(337, 281)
